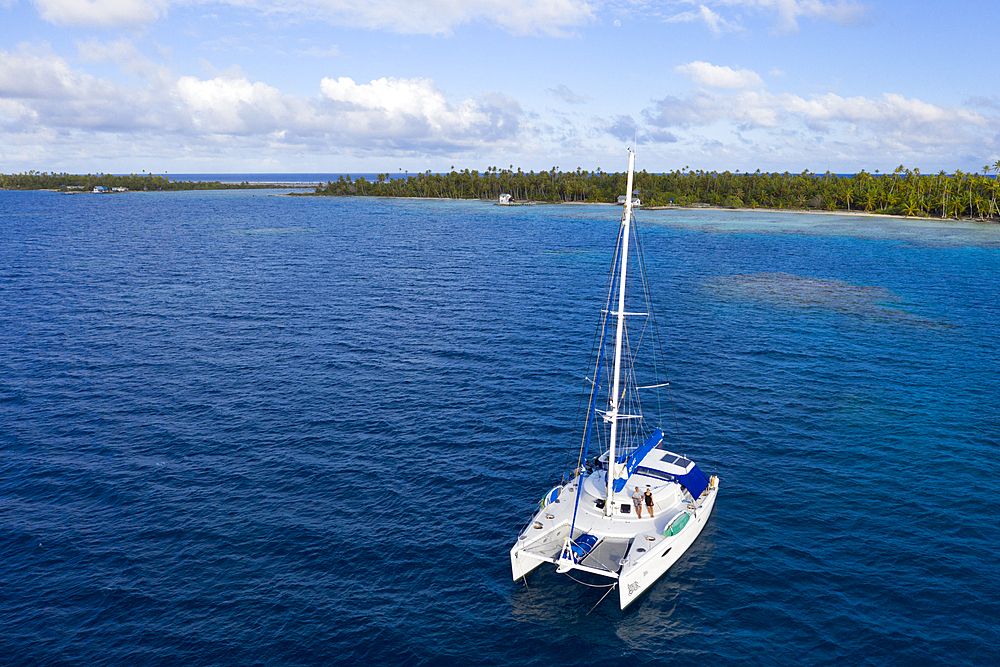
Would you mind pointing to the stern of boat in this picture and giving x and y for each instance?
(653, 553)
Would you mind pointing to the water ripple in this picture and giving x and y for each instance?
(242, 429)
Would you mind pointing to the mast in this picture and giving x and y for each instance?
(615, 398)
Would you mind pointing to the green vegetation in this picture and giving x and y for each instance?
(903, 192)
(37, 180)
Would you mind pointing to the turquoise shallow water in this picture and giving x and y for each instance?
(241, 429)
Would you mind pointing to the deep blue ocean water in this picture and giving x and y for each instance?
(239, 429)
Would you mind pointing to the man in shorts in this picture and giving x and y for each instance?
(637, 501)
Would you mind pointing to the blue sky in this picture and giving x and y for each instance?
(384, 85)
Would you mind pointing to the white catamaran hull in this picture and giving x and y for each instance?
(649, 547)
(640, 573)
(522, 562)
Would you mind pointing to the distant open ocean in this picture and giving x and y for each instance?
(241, 429)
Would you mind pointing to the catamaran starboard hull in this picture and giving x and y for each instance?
(640, 573)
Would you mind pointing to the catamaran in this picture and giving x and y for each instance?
(636, 509)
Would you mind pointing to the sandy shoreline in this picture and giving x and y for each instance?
(859, 214)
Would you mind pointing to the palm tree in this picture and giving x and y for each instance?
(869, 201)
(993, 189)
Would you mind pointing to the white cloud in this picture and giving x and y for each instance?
(100, 13)
(46, 77)
(226, 105)
(714, 21)
(442, 17)
(415, 112)
(787, 12)
(908, 128)
(40, 93)
(761, 109)
(56, 98)
(716, 76)
(128, 58)
(892, 111)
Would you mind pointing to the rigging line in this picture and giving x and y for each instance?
(649, 308)
(631, 381)
(602, 597)
(659, 345)
(592, 403)
(629, 395)
(524, 578)
(593, 346)
(584, 583)
(579, 406)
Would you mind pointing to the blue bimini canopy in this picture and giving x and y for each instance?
(694, 481)
(632, 460)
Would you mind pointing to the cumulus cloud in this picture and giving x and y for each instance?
(55, 98)
(30, 76)
(907, 126)
(234, 105)
(389, 115)
(715, 76)
(415, 112)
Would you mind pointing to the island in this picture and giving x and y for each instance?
(111, 183)
(905, 192)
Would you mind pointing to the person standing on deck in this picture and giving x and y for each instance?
(637, 501)
(649, 500)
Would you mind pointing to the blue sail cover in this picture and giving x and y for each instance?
(694, 481)
(632, 460)
(581, 546)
